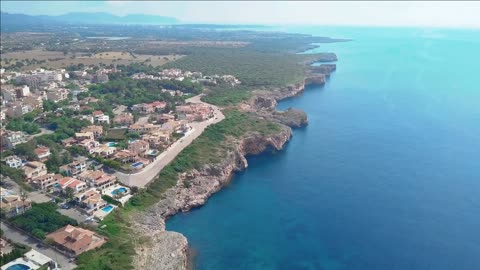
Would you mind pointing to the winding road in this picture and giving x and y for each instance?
(142, 178)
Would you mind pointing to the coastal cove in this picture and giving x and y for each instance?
(385, 176)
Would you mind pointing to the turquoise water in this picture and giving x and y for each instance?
(119, 190)
(107, 208)
(385, 176)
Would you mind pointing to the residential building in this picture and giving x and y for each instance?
(10, 139)
(42, 153)
(74, 168)
(91, 201)
(57, 95)
(18, 109)
(123, 119)
(76, 240)
(73, 183)
(84, 136)
(34, 169)
(138, 147)
(13, 204)
(22, 91)
(105, 151)
(31, 260)
(96, 130)
(101, 118)
(98, 179)
(47, 181)
(143, 128)
(157, 139)
(125, 156)
(13, 162)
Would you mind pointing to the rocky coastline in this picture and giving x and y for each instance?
(169, 250)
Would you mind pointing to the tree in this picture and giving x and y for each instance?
(69, 192)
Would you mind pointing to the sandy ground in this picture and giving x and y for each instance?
(142, 178)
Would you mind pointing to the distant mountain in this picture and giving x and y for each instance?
(15, 22)
(107, 18)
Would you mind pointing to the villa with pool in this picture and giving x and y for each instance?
(31, 260)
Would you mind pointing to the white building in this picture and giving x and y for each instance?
(13, 162)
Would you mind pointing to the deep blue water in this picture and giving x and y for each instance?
(385, 176)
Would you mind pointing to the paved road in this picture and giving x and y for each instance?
(19, 237)
(142, 178)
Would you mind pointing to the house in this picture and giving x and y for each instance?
(138, 147)
(91, 201)
(98, 179)
(34, 169)
(89, 145)
(123, 119)
(73, 183)
(125, 156)
(31, 260)
(105, 151)
(13, 162)
(57, 95)
(76, 240)
(157, 139)
(101, 118)
(18, 109)
(42, 153)
(149, 107)
(13, 204)
(163, 118)
(45, 182)
(74, 168)
(143, 128)
(69, 142)
(96, 130)
(84, 136)
(10, 139)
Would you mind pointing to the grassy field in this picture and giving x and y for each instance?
(57, 59)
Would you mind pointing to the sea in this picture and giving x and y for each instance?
(385, 176)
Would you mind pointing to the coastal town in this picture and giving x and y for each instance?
(62, 152)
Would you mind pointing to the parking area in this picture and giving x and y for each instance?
(73, 213)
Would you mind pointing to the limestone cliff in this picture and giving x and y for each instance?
(168, 250)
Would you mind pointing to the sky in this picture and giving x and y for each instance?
(364, 13)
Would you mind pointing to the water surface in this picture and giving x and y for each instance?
(385, 176)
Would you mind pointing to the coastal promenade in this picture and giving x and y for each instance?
(142, 178)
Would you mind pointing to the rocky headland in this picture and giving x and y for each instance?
(169, 250)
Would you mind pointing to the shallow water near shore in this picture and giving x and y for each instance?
(385, 176)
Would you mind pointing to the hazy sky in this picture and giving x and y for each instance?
(380, 13)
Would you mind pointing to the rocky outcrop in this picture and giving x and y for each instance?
(326, 69)
(318, 79)
(168, 250)
(291, 117)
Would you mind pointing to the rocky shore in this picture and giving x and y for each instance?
(169, 250)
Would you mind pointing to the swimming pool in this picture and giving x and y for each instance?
(119, 190)
(111, 144)
(18, 266)
(107, 208)
(137, 164)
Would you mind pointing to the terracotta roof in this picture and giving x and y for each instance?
(76, 239)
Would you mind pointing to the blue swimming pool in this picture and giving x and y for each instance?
(18, 266)
(137, 164)
(119, 190)
(111, 144)
(107, 208)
